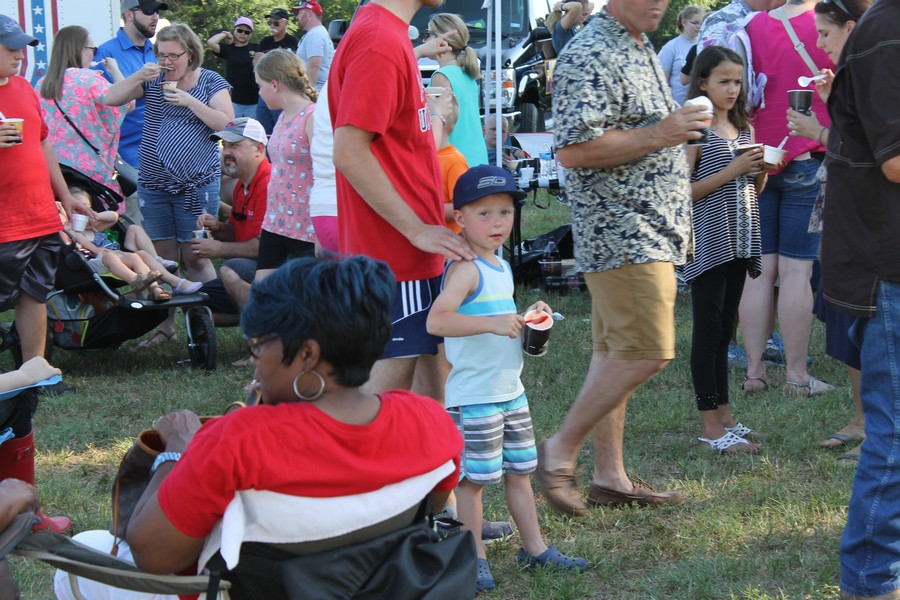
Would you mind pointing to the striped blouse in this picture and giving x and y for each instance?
(177, 156)
(726, 222)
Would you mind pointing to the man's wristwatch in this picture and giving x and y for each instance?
(164, 457)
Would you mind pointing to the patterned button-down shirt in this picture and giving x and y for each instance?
(638, 212)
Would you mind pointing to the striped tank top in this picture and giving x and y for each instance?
(725, 222)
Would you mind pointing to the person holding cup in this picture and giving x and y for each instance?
(726, 175)
(789, 251)
(179, 163)
(29, 180)
(476, 314)
(834, 23)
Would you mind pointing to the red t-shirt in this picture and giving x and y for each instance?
(26, 198)
(375, 85)
(294, 448)
(252, 204)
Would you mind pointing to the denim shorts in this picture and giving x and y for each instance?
(784, 210)
(167, 216)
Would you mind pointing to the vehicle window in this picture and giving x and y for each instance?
(515, 18)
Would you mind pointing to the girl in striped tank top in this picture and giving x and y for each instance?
(725, 179)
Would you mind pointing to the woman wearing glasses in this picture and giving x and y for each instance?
(71, 89)
(179, 164)
(238, 51)
(319, 458)
(835, 20)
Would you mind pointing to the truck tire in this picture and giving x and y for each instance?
(532, 119)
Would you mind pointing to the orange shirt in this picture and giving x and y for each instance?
(453, 164)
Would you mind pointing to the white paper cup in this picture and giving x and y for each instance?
(19, 124)
(526, 174)
(79, 222)
(201, 233)
(169, 86)
(773, 155)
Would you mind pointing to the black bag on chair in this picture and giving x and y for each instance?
(410, 563)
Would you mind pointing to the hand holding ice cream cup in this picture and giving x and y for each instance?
(536, 335)
(11, 131)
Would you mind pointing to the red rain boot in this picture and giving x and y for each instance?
(17, 461)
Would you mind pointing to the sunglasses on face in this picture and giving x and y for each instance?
(147, 11)
(243, 31)
(255, 344)
(93, 50)
(274, 21)
(428, 35)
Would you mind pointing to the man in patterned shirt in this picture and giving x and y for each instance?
(619, 133)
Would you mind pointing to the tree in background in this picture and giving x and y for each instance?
(207, 17)
(667, 29)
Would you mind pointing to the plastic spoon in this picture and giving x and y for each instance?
(804, 81)
(783, 142)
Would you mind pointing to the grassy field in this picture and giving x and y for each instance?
(752, 527)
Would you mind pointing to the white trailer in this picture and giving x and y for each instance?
(43, 18)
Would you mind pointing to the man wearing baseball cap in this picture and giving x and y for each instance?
(316, 48)
(237, 240)
(277, 20)
(132, 50)
(238, 51)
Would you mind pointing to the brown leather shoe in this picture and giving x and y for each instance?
(642, 495)
(559, 487)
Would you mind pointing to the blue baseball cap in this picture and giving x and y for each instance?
(484, 180)
(12, 36)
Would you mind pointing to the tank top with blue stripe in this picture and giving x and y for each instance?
(486, 366)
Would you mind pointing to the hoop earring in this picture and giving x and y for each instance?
(315, 396)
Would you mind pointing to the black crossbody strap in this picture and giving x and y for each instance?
(72, 125)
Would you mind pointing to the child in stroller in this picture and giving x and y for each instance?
(139, 267)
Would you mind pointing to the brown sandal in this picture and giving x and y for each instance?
(142, 281)
(158, 294)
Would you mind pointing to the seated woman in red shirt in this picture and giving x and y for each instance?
(295, 467)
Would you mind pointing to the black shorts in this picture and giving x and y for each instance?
(409, 336)
(275, 250)
(29, 267)
(219, 300)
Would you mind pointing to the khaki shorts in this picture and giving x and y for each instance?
(633, 311)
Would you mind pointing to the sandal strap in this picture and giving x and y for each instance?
(725, 442)
(739, 430)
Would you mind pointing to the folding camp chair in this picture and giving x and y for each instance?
(79, 560)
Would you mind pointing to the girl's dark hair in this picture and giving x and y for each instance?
(344, 304)
(67, 47)
(836, 14)
(707, 60)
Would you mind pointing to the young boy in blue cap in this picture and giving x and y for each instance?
(476, 314)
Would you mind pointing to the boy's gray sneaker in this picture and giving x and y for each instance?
(495, 531)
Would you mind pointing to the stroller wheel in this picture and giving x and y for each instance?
(201, 339)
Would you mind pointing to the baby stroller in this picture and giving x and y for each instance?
(89, 312)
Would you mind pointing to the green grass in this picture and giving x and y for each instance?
(752, 527)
